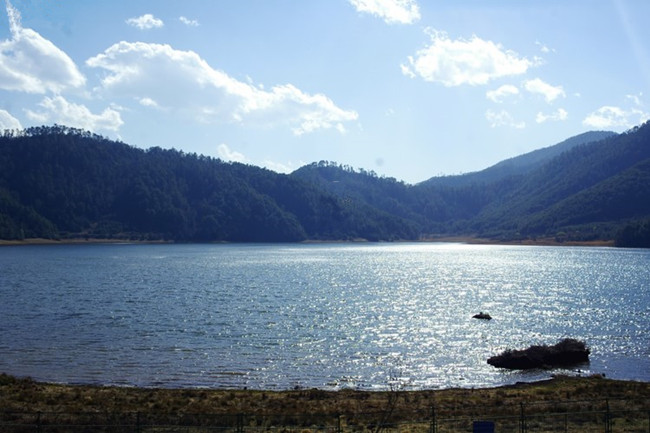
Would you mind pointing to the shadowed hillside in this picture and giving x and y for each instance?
(520, 165)
(58, 183)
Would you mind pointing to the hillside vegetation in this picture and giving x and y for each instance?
(58, 182)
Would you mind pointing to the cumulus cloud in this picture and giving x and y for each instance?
(503, 118)
(503, 92)
(183, 81)
(471, 61)
(59, 110)
(30, 63)
(145, 22)
(550, 93)
(227, 154)
(614, 117)
(391, 11)
(610, 117)
(7, 121)
(148, 102)
(558, 115)
(188, 22)
(279, 167)
(607, 117)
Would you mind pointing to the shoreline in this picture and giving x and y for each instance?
(77, 241)
(446, 239)
(25, 394)
(545, 242)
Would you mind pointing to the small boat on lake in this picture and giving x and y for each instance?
(482, 316)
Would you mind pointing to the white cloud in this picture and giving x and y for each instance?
(606, 117)
(7, 121)
(279, 167)
(544, 48)
(391, 11)
(464, 61)
(611, 117)
(30, 63)
(183, 81)
(502, 93)
(502, 118)
(636, 99)
(145, 22)
(550, 93)
(614, 117)
(227, 154)
(59, 110)
(148, 102)
(188, 22)
(559, 114)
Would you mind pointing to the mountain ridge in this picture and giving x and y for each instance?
(59, 182)
(521, 163)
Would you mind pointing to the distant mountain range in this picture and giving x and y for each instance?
(522, 164)
(58, 182)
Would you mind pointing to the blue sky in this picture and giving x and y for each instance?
(409, 89)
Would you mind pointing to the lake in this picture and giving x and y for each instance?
(330, 316)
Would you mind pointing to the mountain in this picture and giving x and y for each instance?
(430, 206)
(58, 183)
(522, 164)
(553, 197)
(585, 188)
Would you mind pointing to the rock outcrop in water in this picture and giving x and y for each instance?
(565, 353)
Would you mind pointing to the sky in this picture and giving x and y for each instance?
(409, 89)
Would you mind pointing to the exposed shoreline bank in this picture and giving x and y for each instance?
(24, 394)
(527, 242)
(449, 239)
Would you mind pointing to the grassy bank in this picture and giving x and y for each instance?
(561, 404)
(28, 395)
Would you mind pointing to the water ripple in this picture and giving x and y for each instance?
(326, 316)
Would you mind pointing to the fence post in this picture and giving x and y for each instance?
(38, 421)
(522, 418)
(433, 419)
(608, 421)
(137, 422)
(240, 423)
(338, 423)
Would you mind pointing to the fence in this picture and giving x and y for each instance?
(608, 416)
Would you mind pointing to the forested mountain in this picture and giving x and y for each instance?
(586, 188)
(520, 165)
(58, 182)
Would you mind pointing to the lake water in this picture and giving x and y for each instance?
(329, 316)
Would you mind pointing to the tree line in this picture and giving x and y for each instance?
(58, 182)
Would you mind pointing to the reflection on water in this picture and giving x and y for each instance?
(326, 316)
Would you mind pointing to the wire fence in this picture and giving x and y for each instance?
(608, 416)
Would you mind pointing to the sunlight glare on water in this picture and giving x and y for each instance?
(325, 315)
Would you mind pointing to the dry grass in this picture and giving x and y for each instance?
(561, 404)
(28, 395)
